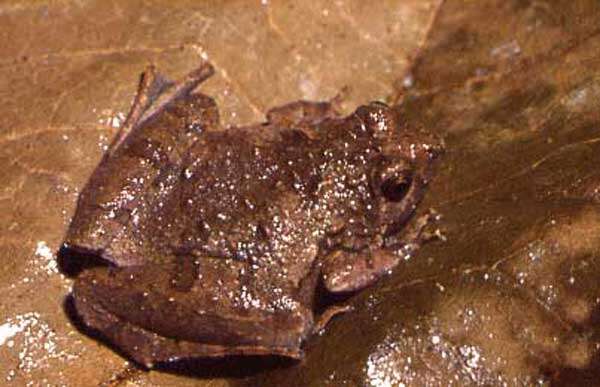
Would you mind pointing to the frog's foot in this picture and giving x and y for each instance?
(139, 310)
(422, 230)
(154, 93)
(330, 313)
(346, 271)
(180, 89)
(150, 87)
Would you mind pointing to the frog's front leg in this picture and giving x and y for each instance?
(346, 271)
(145, 312)
(298, 112)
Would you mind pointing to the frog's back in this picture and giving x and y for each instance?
(246, 195)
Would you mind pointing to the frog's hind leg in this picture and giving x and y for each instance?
(151, 85)
(181, 89)
(154, 93)
(146, 312)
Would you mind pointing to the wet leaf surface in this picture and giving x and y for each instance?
(68, 74)
(510, 296)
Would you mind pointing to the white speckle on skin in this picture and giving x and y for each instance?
(471, 355)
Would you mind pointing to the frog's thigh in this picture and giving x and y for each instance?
(345, 271)
(140, 311)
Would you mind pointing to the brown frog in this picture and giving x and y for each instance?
(216, 240)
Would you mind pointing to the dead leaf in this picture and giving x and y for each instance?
(69, 71)
(511, 296)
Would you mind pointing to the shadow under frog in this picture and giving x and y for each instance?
(215, 241)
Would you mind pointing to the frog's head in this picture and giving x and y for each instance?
(403, 165)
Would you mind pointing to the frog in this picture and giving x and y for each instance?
(213, 241)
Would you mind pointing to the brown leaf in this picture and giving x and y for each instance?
(68, 73)
(511, 296)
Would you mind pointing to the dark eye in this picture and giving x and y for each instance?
(395, 188)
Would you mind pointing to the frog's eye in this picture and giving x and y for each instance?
(395, 188)
(392, 178)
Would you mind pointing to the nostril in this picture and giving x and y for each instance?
(395, 189)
